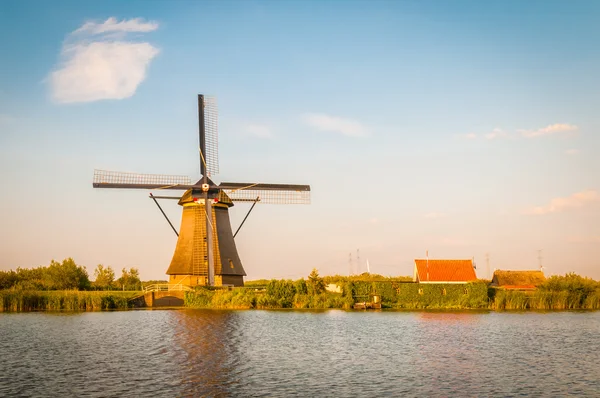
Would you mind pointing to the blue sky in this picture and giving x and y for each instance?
(462, 128)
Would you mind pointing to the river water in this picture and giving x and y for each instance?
(172, 353)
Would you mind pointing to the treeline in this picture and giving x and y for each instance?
(67, 275)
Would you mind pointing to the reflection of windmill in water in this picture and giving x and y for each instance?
(203, 258)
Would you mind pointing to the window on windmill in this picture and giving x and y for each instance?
(420, 291)
(443, 291)
(231, 264)
(465, 291)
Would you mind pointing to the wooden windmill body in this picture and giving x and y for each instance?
(206, 253)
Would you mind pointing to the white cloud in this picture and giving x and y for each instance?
(324, 122)
(468, 136)
(258, 130)
(572, 152)
(548, 130)
(434, 215)
(579, 199)
(97, 63)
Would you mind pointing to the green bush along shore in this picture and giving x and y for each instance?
(566, 292)
(311, 293)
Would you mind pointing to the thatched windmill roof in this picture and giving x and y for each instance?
(517, 279)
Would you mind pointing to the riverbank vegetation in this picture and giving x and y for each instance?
(66, 286)
(64, 300)
(312, 293)
(568, 292)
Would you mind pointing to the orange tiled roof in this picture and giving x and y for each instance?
(445, 270)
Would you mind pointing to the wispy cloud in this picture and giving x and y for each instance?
(99, 63)
(335, 124)
(577, 200)
(548, 130)
(572, 152)
(468, 136)
(434, 215)
(258, 130)
(496, 133)
(111, 25)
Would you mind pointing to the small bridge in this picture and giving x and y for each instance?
(162, 295)
(166, 287)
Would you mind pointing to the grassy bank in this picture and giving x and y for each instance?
(68, 300)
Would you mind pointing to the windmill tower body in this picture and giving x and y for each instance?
(205, 253)
(190, 263)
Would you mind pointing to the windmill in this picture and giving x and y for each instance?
(205, 253)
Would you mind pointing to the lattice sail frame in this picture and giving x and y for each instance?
(273, 197)
(119, 177)
(211, 134)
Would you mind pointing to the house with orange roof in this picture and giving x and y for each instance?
(444, 271)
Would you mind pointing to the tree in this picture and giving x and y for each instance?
(7, 279)
(315, 283)
(66, 275)
(105, 277)
(301, 287)
(283, 291)
(130, 280)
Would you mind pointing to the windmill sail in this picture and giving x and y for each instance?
(208, 119)
(119, 179)
(267, 193)
(211, 131)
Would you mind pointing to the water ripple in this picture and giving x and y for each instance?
(290, 353)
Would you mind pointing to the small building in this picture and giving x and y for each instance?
(517, 280)
(444, 271)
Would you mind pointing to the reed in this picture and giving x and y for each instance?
(63, 300)
(568, 292)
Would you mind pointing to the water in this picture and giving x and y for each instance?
(292, 353)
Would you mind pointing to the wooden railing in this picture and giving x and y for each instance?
(166, 287)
